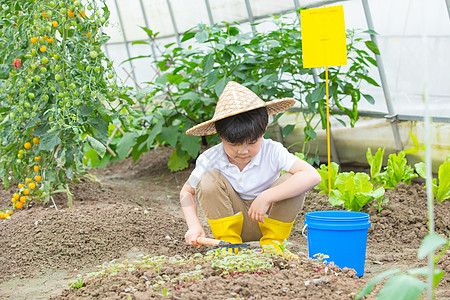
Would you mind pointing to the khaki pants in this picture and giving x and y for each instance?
(218, 199)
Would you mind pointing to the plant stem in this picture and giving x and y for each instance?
(428, 170)
(69, 196)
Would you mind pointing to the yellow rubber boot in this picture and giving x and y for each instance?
(228, 229)
(273, 234)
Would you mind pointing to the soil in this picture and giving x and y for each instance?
(131, 210)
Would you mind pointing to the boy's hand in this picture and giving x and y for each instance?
(192, 234)
(259, 208)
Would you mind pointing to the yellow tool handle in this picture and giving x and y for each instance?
(208, 241)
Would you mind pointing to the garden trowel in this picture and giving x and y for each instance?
(221, 244)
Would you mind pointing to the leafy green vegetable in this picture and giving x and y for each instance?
(353, 191)
(441, 190)
(323, 171)
(375, 162)
(191, 78)
(397, 171)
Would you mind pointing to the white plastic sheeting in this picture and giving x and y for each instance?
(405, 27)
(414, 41)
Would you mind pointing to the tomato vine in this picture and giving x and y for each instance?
(57, 93)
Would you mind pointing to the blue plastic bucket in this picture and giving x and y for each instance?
(342, 235)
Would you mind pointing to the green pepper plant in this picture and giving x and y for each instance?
(57, 93)
(192, 77)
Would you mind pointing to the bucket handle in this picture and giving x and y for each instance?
(303, 231)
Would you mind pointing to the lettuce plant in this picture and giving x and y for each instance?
(353, 191)
(441, 190)
(375, 163)
(396, 171)
(323, 171)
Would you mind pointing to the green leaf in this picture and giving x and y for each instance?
(375, 163)
(123, 147)
(149, 32)
(367, 78)
(369, 98)
(220, 86)
(431, 243)
(443, 191)
(373, 47)
(148, 90)
(49, 141)
(175, 78)
(135, 57)
(161, 79)
(91, 158)
(287, 129)
(139, 43)
(354, 190)
(398, 170)
(85, 110)
(99, 125)
(170, 135)
(178, 160)
(153, 133)
(437, 276)
(370, 31)
(420, 169)
(310, 132)
(401, 287)
(335, 198)
(96, 145)
(208, 63)
(191, 144)
(369, 287)
(103, 112)
(416, 145)
(323, 172)
(202, 36)
(41, 129)
(187, 36)
(212, 78)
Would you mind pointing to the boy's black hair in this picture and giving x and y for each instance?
(246, 127)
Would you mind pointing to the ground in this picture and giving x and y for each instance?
(132, 209)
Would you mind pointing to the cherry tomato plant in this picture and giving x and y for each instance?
(57, 93)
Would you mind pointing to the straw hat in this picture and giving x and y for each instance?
(236, 99)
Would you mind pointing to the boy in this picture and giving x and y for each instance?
(238, 182)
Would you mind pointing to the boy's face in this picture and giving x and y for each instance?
(242, 153)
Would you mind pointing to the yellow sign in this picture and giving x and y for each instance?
(323, 37)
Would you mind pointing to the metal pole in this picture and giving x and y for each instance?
(146, 25)
(250, 15)
(448, 7)
(392, 117)
(174, 24)
(210, 16)
(124, 37)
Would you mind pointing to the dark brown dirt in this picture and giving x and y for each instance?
(134, 210)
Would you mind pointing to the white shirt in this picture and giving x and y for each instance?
(257, 176)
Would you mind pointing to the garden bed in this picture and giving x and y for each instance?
(133, 214)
